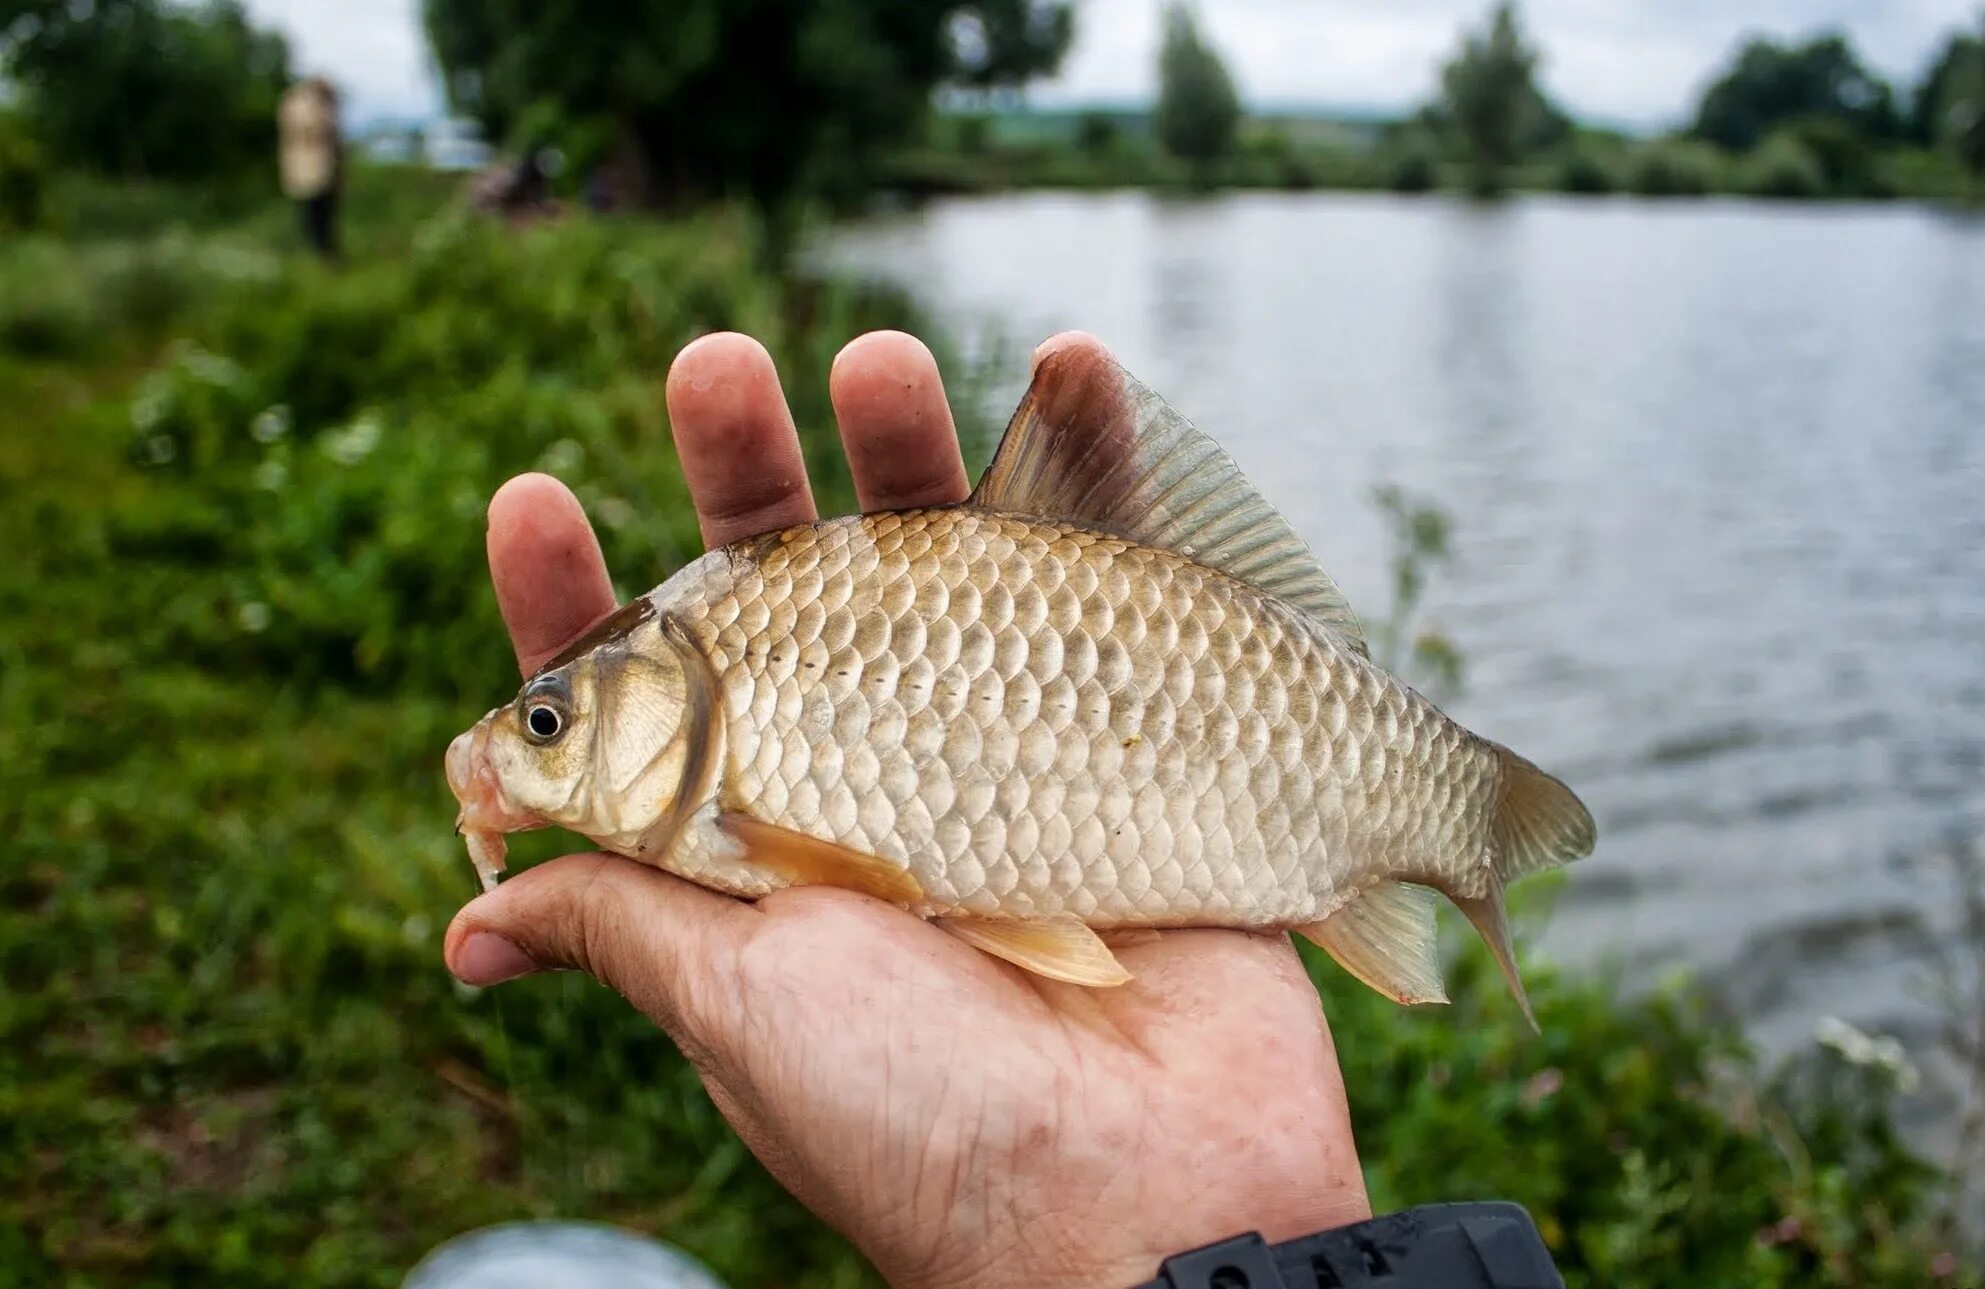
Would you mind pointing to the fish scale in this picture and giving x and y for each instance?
(1020, 713)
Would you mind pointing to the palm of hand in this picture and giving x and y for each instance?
(961, 1121)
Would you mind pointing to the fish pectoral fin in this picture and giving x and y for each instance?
(1387, 938)
(809, 861)
(1060, 948)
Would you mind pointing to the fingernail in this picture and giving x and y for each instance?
(489, 959)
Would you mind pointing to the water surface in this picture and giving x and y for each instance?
(1717, 478)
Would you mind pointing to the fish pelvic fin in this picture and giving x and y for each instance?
(809, 861)
(1060, 947)
(1092, 446)
(1387, 938)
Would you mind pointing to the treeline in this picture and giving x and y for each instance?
(786, 103)
(682, 103)
(1781, 119)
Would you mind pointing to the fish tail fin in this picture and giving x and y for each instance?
(1537, 825)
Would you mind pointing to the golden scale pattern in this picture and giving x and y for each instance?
(1041, 720)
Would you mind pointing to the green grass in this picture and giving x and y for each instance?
(243, 610)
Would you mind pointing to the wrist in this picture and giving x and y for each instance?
(1102, 1251)
(1491, 1245)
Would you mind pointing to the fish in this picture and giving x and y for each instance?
(1113, 689)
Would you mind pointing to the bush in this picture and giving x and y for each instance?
(150, 88)
(1413, 171)
(23, 175)
(1846, 157)
(1673, 168)
(60, 300)
(1783, 166)
(1584, 170)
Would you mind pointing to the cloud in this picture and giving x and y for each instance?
(1642, 61)
(373, 49)
(1635, 60)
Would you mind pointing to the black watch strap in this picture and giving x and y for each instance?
(1435, 1246)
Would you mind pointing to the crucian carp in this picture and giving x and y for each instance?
(1112, 689)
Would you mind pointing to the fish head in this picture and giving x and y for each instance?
(604, 745)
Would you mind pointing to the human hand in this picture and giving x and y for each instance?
(963, 1122)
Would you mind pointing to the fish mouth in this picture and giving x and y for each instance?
(486, 814)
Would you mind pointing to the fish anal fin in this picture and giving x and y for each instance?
(810, 861)
(1489, 919)
(1387, 938)
(1091, 446)
(1060, 948)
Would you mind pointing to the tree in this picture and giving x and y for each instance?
(1770, 84)
(1198, 112)
(1096, 133)
(769, 100)
(1490, 101)
(1939, 90)
(147, 88)
(1949, 108)
(1002, 46)
(1964, 118)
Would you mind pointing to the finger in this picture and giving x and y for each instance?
(1067, 340)
(896, 424)
(735, 436)
(662, 943)
(551, 580)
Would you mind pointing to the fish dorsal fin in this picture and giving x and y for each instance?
(1091, 445)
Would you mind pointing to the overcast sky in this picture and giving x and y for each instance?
(1635, 61)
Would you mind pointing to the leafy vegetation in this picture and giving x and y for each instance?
(245, 610)
(712, 99)
(1801, 120)
(147, 88)
(1490, 102)
(1198, 112)
(1769, 85)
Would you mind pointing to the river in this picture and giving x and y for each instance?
(1716, 472)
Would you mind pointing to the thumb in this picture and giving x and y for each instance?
(662, 943)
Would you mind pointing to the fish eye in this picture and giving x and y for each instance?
(544, 722)
(544, 708)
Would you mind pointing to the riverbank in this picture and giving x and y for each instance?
(1782, 170)
(1118, 149)
(248, 607)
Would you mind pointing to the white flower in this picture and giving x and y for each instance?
(149, 407)
(254, 616)
(562, 457)
(213, 368)
(355, 442)
(614, 512)
(271, 475)
(1871, 1051)
(270, 424)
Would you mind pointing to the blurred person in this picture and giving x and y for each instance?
(313, 157)
(964, 1123)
